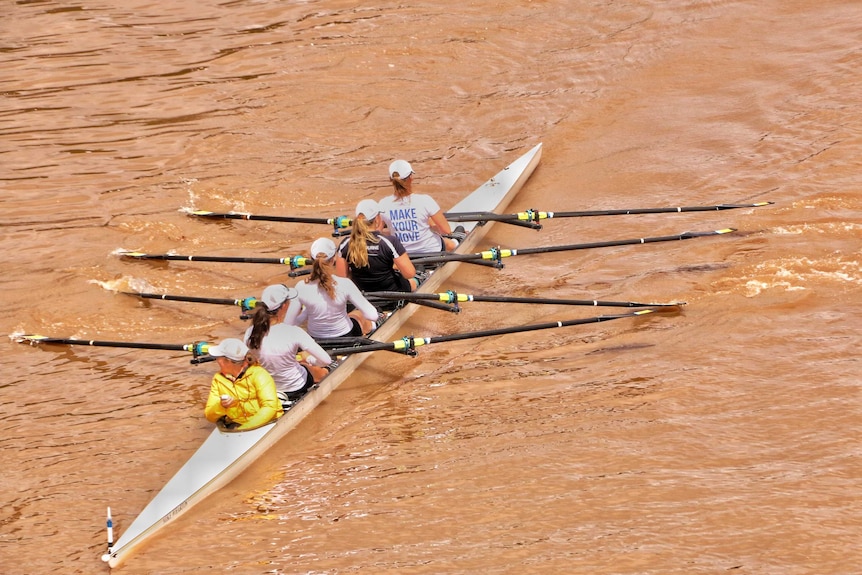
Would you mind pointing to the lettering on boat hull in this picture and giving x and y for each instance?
(175, 511)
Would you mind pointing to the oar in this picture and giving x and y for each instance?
(535, 215)
(409, 344)
(337, 222)
(496, 254)
(293, 261)
(246, 303)
(452, 297)
(198, 348)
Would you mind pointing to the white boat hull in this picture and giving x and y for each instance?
(224, 454)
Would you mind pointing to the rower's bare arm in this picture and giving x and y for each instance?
(405, 266)
(440, 224)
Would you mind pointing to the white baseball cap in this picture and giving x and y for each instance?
(231, 348)
(368, 208)
(274, 296)
(323, 246)
(402, 168)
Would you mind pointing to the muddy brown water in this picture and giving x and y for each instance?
(723, 438)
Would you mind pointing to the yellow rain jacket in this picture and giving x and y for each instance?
(257, 402)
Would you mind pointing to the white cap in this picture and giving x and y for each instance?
(323, 246)
(274, 296)
(402, 168)
(368, 208)
(230, 348)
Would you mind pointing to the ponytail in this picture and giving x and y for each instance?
(260, 321)
(360, 236)
(402, 186)
(321, 270)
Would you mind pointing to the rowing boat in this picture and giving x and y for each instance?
(225, 454)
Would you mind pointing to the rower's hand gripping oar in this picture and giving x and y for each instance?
(497, 254)
(531, 218)
(408, 344)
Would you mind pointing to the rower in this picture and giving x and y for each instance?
(373, 260)
(276, 345)
(323, 298)
(416, 219)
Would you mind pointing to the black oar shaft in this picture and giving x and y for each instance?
(592, 245)
(224, 259)
(192, 299)
(627, 212)
(479, 217)
(102, 343)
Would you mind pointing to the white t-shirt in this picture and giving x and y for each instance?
(326, 317)
(277, 354)
(409, 219)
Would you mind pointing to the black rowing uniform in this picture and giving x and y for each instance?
(380, 273)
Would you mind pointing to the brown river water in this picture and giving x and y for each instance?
(722, 438)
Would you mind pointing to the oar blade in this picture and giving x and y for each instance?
(132, 254)
(29, 338)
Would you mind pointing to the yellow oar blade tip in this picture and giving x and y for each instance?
(123, 252)
(725, 231)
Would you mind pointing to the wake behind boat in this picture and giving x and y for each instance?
(225, 454)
